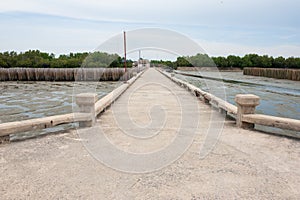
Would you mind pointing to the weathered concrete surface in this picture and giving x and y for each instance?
(243, 165)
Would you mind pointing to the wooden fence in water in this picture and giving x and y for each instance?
(63, 74)
(290, 74)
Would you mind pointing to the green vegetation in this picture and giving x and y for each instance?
(249, 60)
(37, 59)
(162, 63)
(198, 60)
(254, 60)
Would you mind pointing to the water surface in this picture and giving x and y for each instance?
(28, 100)
(279, 97)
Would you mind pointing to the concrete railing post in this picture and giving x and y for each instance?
(86, 103)
(4, 139)
(246, 104)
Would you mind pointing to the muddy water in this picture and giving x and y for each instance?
(278, 97)
(28, 100)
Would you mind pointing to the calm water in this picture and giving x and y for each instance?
(28, 100)
(278, 97)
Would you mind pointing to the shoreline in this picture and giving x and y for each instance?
(209, 69)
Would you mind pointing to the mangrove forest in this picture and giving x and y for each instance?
(232, 61)
(38, 59)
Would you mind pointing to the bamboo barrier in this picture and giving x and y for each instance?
(244, 112)
(64, 74)
(290, 74)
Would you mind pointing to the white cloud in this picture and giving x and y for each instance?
(224, 26)
(197, 12)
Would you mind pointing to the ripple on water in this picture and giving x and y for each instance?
(28, 100)
(278, 97)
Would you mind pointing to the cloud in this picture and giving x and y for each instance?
(245, 13)
(226, 26)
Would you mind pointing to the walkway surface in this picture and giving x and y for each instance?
(157, 141)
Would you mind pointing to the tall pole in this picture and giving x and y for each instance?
(139, 54)
(125, 51)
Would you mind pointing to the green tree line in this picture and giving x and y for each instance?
(249, 60)
(37, 59)
(254, 60)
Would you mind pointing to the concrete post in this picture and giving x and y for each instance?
(4, 139)
(246, 104)
(86, 104)
(205, 100)
(222, 111)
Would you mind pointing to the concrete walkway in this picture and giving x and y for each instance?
(157, 141)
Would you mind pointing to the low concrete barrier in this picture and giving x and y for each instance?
(223, 106)
(246, 117)
(41, 123)
(106, 101)
(244, 112)
(89, 109)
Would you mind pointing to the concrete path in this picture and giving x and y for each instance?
(157, 141)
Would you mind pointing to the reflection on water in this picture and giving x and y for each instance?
(278, 97)
(28, 100)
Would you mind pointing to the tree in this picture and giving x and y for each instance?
(279, 62)
(291, 62)
(234, 61)
(220, 61)
(182, 62)
(201, 60)
(246, 61)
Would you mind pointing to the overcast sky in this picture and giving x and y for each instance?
(220, 27)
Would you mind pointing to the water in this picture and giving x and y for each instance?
(279, 97)
(29, 100)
